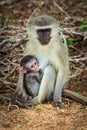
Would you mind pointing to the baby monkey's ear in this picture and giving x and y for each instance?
(23, 69)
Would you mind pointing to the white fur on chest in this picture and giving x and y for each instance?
(47, 56)
(43, 59)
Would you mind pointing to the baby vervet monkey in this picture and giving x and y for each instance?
(32, 75)
(30, 68)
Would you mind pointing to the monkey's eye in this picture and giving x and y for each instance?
(32, 66)
(35, 63)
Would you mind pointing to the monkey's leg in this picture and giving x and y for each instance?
(58, 89)
(47, 84)
(19, 87)
(27, 99)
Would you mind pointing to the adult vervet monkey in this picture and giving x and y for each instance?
(47, 43)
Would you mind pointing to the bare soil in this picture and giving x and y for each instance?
(45, 116)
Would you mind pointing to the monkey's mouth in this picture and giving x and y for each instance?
(44, 41)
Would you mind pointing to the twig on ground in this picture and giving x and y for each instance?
(77, 73)
(79, 59)
(78, 56)
(71, 32)
(6, 2)
(12, 105)
(2, 114)
(4, 98)
(60, 8)
(37, 9)
(10, 73)
(71, 46)
(11, 84)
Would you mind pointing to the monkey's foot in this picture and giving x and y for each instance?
(26, 105)
(58, 104)
(25, 102)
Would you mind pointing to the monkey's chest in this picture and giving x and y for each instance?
(47, 56)
(43, 60)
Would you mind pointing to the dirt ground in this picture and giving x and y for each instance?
(45, 116)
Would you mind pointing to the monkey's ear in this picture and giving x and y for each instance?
(23, 69)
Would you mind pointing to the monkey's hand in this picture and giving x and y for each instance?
(15, 98)
(31, 79)
(26, 102)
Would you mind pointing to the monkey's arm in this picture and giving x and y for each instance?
(19, 87)
(33, 74)
(37, 76)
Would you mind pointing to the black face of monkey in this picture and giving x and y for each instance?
(44, 35)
